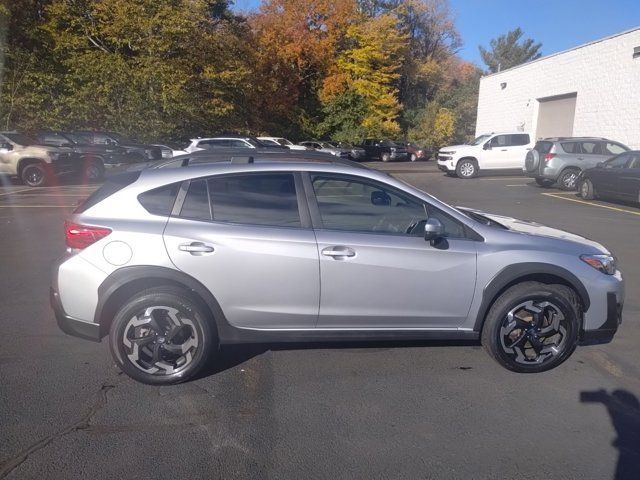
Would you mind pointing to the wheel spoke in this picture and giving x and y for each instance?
(175, 329)
(142, 341)
(536, 344)
(156, 353)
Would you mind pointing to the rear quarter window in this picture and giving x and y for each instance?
(159, 201)
(108, 188)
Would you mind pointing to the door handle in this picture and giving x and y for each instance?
(503, 150)
(338, 252)
(195, 248)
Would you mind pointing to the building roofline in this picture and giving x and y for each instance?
(631, 30)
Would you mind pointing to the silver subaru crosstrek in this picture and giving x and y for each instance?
(171, 263)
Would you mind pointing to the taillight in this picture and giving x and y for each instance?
(549, 156)
(81, 236)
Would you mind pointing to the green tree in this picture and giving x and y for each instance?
(508, 50)
(435, 127)
(343, 117)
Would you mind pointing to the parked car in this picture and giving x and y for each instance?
(136, 152)
(384, 150)
(618, 178)
(561, 159)
(355, 153)
(283, 142)
(494, 151)
(36, 165)
(170, 151)
(170, 263)
(326, 147)
(95, 158)
(228, 141)
(416, 152)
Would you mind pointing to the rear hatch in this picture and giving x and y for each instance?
(536, 158)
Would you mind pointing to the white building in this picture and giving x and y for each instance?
(590, 90)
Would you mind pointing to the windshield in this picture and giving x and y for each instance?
(480, 139)
(20, 138)
(326, 145)
(284, 142)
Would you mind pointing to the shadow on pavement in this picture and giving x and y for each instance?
(624, 409)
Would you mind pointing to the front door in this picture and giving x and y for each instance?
(501, 154)
(242, 236)
(376, 269)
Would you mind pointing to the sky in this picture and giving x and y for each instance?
(557, 24)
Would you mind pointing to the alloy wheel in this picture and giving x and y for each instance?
(467, 169)
(34, 176)
(533, 332)
(569, 180)
(161, 340)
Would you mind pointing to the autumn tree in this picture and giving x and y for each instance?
(369, 67)
(434, 127)
(508, 51)
(295, 43)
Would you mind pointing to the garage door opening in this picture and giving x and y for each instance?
(556, 115)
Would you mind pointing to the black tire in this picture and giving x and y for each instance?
(467, 168)
(35, 175)
(567, 179)
(92, 170)
(544, 182)
(385, 157)
(586, 190)
(537, 344)
(156, 317)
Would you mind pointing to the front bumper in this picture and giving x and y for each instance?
(606, 332)
(72, 326)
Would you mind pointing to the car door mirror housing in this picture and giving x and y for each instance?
(6, 146)
(433, 229)
(380, 198)
(487, 146)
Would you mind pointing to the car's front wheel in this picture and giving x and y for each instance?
(532, 327)
(385, 157)
(92, 170)
(467, 168)
(162, 336)
(35, 175)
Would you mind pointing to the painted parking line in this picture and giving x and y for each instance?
(608, 207)
(16, 191)
(517, 185)
(37, 206)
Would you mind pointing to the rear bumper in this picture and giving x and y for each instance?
(606, 332)
(72, 326)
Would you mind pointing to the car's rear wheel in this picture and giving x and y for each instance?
(532, 327)
(467, 168)
(35, 175)
(92, 170)
(567, 179)
(544, 182)
(385, 157)
(586, 190)
(162, 336)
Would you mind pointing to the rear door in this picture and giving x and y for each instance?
(247, 238)
(590, 153)
(376, 269)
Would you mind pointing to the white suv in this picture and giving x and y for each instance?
(494, 151)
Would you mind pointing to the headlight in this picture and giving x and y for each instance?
(604, 263)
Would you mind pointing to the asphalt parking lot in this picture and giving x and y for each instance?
(368, 410)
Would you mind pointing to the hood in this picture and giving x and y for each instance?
(537, 229)
(455, 147)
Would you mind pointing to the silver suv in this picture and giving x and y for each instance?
(169, 263)
(561, 159)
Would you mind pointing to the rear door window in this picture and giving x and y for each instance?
(590, 148)
(519, 139)
(267, 199)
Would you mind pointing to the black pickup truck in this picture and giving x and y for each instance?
(385, 150)
(136, 152)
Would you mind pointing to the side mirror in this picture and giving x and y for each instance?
(600, 165)
(380, 198)
(6, 146)
(433, 229)
(487, 146)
